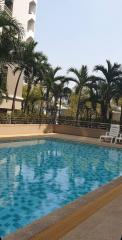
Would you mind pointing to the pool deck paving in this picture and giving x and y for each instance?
(96, 216)
(106, 224)
(60, 136)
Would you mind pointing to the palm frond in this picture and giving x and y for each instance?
(11, 25)
(74, 71)
(55, 70)
(102, 69)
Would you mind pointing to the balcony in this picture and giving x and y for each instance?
(3, 7)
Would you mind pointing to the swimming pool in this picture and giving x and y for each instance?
(39, 176)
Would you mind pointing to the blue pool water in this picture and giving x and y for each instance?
(39, 176)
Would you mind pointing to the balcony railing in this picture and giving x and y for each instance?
(7, 10)
(3, 7)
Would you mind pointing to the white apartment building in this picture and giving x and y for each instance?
(25, 12)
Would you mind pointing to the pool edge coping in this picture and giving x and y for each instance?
(73, 138)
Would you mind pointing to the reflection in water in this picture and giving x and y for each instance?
(37, 177)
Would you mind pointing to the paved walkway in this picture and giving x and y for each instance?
(106, 224)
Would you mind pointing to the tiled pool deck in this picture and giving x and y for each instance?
(98, 215)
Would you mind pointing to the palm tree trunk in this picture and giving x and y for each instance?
(55, 110)
(103, 111)
(33, 108)
(78, 107)
(27, 97)
(121, 116)
(60, 107)
(15, 91)
(47, 101)
(41, 109)
(109, 112)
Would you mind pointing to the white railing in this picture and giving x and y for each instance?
(7, 10)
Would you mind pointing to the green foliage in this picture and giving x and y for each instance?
(35, 97)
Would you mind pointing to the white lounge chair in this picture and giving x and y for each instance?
(113, 134)
(118, 139)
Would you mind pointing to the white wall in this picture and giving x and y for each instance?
(21, 13)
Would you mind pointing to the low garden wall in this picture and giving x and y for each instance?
(13, 129)
(79, 131)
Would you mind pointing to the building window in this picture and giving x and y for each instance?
(32, 7)
(31, 25)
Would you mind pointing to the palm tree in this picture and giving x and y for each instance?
(93, 98)
(12, 33)
(10, 36)
(27, 59)
(65, 94)
(107, 83)
(50, 79)
(36, 73)
(10, 25)
(59, 92)
(82, 80)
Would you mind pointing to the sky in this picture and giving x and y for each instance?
(76, 32)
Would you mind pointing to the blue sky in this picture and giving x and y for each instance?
(76, 32)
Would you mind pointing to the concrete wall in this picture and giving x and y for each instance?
(85, 132)
(13, 129)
